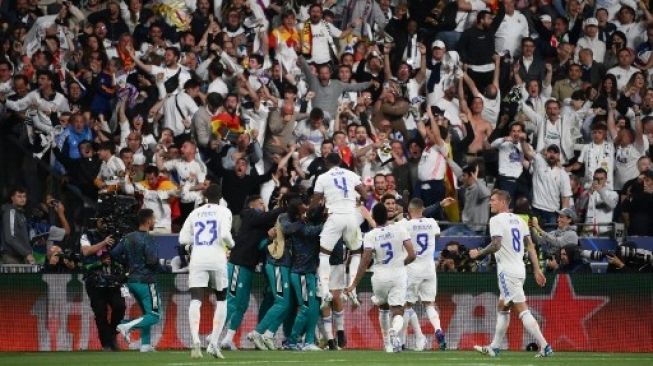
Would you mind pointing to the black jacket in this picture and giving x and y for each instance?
(253, 228)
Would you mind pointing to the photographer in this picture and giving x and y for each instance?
(567, 260)
(103, 279)
(59, 261)
(629, 259)
(564, 235)
(455, 258)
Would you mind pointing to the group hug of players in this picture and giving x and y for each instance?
(306, 276)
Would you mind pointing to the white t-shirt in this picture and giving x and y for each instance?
(423, 233)
(491, 109)
(321, 47)
(208, 228)
(512, 230)
(509, 34)
(190, 174)
(184, 76)
(622, 75)
(595, 156)
(218, 86)
(511, 156)
(625, 163)
(111, 169)
(387, 242)
(174, 120)
(550, 184)
(433, 164)
(338, 186)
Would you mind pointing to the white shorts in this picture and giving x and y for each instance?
(511, 289)
(338, 278)
(343, 226)
(421, 288)
(215, 279)
(389, 289)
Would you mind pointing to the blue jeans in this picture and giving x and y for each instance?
(431, 191)
(509, 185)
(548, 220)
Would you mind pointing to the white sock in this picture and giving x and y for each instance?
(321, 331)
(414, 323)
(328, 326)
(433, 316)
(133, 323)
(503, 321)
(324, 274)
(384, 321)
(339, 319)
(229, 337)
(532, 327)
(397, 323)
(268, 334)
(404, 328)
(219, 318)
(194, 319)
(353, 266)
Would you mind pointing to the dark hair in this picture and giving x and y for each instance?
(191, 83)
(105, 145)
(151, 169)
(293, 207)
(388, 196)
(143, 215)
(333, 159)
(213, 193)
(125, 150)
(316, 113)
(481, 14)
(258, 58)
(17, 189)
(214, 100)
(601, 171)
(174, 50)
(469, 169)
(327, 141)
(251, 198)
(216, 68)
(380, 214)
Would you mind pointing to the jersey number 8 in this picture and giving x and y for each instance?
(516, 239)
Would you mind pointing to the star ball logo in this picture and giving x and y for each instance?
(564, 314)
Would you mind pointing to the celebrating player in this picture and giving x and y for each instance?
(509, 233)
(422, 281)
(335, 186)
(207, 229)
(392, 250)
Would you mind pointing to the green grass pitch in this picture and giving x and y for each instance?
(376, 358)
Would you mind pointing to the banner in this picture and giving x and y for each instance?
(607, 313)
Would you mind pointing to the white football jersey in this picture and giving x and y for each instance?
(208, 228)
(387, 242)
(423, 233)
(512, 230)
(339, 188)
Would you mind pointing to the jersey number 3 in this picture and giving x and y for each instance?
(211, 226)
(389, 254)
(516, 239)
(342, 185)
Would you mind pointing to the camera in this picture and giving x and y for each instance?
(638, 255)
(596, 255)
(70, 255)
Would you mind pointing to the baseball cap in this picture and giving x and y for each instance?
(569, 213)
(591, 21)
(438, 44)
(545, 18)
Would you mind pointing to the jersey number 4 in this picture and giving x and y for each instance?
(211, 227)
(342, 185)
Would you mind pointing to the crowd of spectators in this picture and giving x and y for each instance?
(551, 101)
